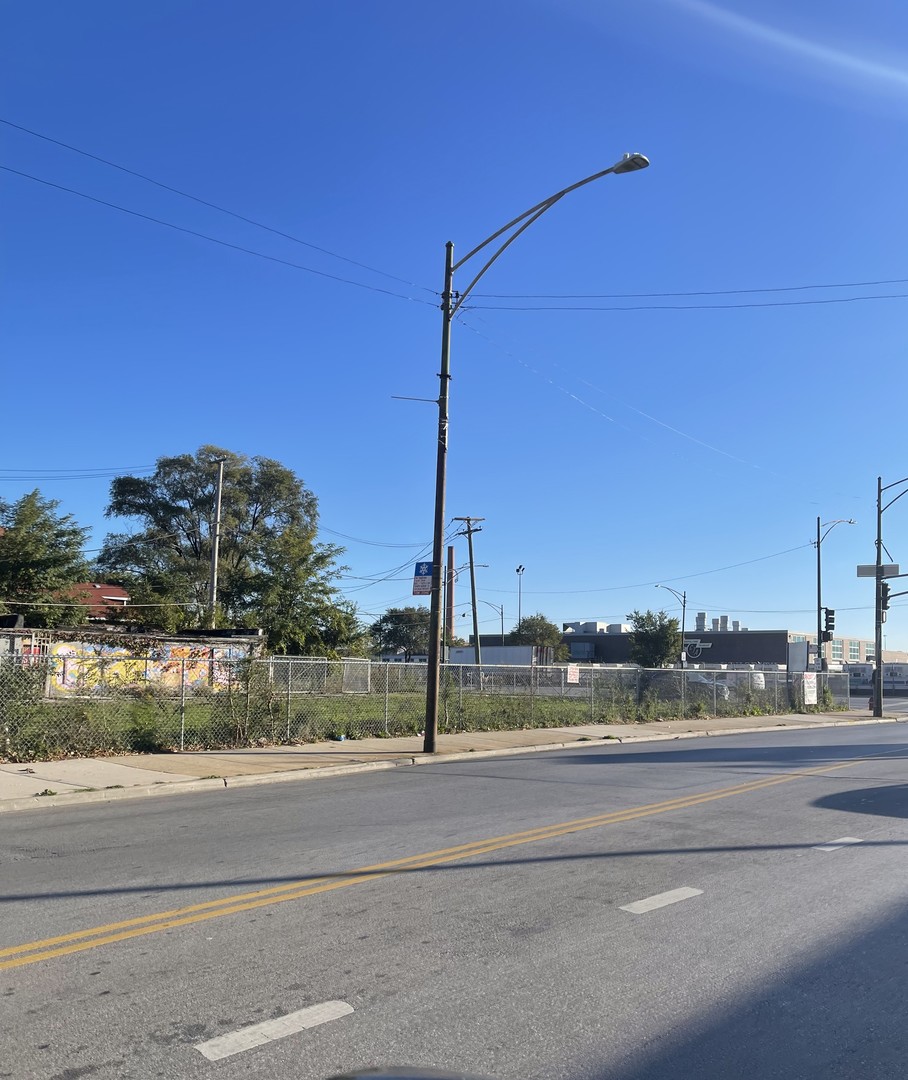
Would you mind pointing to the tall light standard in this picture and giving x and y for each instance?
(682, 596)
(451, 303)
(883, 595)
(500, 610)
(828, 526)
(519, 571)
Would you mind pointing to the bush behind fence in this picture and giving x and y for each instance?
(52, 708)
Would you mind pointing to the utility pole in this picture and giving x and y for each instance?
(821, 648)
(468, 530)
(878, 606)
(447, 629)
(215, 544)
(519, 572)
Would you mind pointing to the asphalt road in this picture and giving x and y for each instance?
(507, 917)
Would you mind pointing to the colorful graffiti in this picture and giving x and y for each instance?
(89, 668)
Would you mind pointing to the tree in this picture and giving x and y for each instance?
(537, 630)
(655, 639)
(272, 571)
(40, 555)
(403, 630)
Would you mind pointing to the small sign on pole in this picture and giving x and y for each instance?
(422, 579)
(888, 569)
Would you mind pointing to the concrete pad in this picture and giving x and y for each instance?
(93, 772)
(15, 784)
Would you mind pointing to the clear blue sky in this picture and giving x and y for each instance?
(651, 438)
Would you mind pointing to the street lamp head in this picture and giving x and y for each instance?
(520, 569)
(631, 163)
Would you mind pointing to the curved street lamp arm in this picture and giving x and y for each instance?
(832, 525)
(629, 163)
(680, 597)
(540, 206)
(896, 499)
(510, 240)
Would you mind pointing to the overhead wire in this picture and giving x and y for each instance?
(213, 239)
(683, 307)
(210, 205)
(697, 292)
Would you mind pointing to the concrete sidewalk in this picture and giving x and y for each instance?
(44, 784)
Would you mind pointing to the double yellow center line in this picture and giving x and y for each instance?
(36, 951)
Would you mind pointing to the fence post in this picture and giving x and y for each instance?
(387, 690)
(183, 703)
(592, 693)
(289, 664)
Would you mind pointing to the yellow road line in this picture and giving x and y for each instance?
(80, 940)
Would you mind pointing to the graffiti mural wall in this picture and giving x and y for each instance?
(79, 667)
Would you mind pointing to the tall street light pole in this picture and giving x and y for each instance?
(829, 526)
(682, 596)
(451, 303)
(215, 549)
(878, 606)
(500, 610)
(519, 572)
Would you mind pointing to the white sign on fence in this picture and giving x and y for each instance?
(573, 673)
(810, 688)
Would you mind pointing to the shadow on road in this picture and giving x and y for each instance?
(470, 863)
(728, 753)
(887, 800)
(838, 1016)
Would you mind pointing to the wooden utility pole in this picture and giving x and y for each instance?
(467, 531)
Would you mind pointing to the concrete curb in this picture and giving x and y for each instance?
(185, 787)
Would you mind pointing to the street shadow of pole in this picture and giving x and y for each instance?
(885, 800)
(839, 1016)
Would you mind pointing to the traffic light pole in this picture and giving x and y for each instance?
(882, 589)
(878, 607)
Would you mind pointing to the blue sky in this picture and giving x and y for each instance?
(647, 438)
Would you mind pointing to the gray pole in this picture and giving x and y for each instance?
(468, 531)
(683, 620)
(433, 675)
(819, 603)
(520, 570)
(215, 545)
(878, 606)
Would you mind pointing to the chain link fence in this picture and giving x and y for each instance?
(59, 706)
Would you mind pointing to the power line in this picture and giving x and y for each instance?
(681, 307)
(659, 580)
(211, 205)
(212, 239)
(699, 292)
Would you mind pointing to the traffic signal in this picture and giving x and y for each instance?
(884, 596)
(830, 621)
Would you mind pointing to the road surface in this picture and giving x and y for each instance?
(725, 907)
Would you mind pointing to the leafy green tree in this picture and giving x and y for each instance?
(403, 630)
(655, 639)
(538, 630)
(40, 555)
(272, 570)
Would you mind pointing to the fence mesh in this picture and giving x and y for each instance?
(54, 706)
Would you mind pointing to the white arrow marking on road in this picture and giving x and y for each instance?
(663, 899)
(834, 845)
(258, 1034)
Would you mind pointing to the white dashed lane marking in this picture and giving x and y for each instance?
(834, 845)
(258, 1034)
(640, 907)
